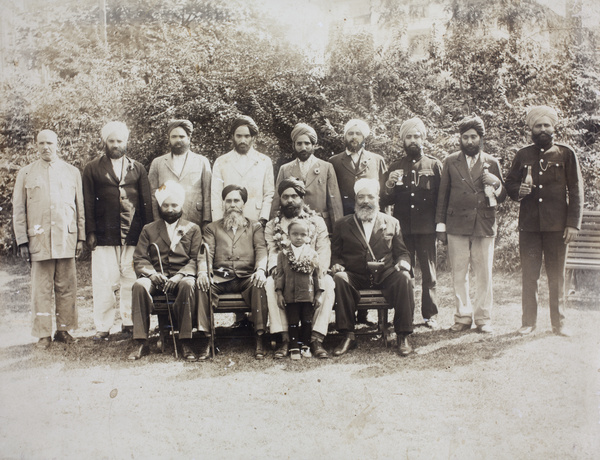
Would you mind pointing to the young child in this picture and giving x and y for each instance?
(297, 286)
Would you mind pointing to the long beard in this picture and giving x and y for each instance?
(234, 218)
(413, 150)
(291, 210)
(543, 140)
(115, 153)
(470, 150)
(366, 212)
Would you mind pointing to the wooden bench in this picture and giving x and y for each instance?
(584, 252)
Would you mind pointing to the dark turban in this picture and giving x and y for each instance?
(475, 123)
(232, 188)
(244, 120)
(535, 113)
(292, 182)
(185, 124)
(303, 128)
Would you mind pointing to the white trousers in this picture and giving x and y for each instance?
(478, 252)
(278, 320)
(112, 270)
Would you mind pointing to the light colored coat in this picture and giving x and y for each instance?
(322, 191)
(48, 210)
(257, 179)
(195, 179)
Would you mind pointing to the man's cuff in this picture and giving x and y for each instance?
(404, 265)
(440, 227)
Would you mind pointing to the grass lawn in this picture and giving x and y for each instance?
(459, 396)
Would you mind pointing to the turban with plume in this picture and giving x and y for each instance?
(170, 189)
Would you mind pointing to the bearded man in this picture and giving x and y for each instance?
(550, 214)
(237, 262)
(322, 193)
(291, 192)
(412, 185)
(356, 162)
(245, 167)
(359, 239)
(471, 186)
(165, 261)
(117, 206)
(189, 169)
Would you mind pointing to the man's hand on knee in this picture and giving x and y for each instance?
(158, 280)
(203, 282)
(171, 284)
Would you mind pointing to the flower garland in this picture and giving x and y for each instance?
(305, 264)
(281, 238)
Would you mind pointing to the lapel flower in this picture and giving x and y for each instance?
(363, 162)
(180, 232)
(38, 230)
(317, 170)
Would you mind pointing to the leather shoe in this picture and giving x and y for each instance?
(187, 352)
(343, 348)
(64, 337)
(526, 330)
(259, 353)
(43, 343)
(282, 351)
(404, 347)
(100, 336)
(295, 354)
(459, 327)
(432, 323)
(205, 351)
(562, 331)
(485, 328)
(318, 351)
(141, 349)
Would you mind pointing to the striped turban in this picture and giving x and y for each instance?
(185, 124)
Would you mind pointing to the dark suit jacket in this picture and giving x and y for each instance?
(462, 204)
(322, 190)
(371, 166)
(349, 249)
(556, 200)
(116, 210)
(295, 286)
(240, 254)
(180, 260)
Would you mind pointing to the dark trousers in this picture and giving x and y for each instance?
(423, 248)
(550, 245)
(253, 296)
(183, 308)
(397, 288)
(299, 312)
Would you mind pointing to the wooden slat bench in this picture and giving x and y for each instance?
(584, 252)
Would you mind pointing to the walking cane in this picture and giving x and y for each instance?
(206, 251)
(167, 299)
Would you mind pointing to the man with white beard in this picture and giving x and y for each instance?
(368, 253)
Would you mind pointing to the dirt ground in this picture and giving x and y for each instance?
(459, 397)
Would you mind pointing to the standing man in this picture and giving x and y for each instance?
(165, 261)
(322, 193)
(117, 206)
(190, 170)
(238, 261)
(356, 162)
(359, 239)
(412, 185)
(471, 186)
(546, 179)
(291, 193)
(48, 219)
(247, 168)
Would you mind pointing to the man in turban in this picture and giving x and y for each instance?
(545, 178)
(48, 220)
(470, 187)
(246, 167)
(237, 261)
(322, 193)
(170, 269)
(412, 185)
(356, 162)
(189, 169)
(366, 236)
(117, 206)
(292, 206)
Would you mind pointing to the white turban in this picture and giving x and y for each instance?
(170, 189)
(114, 127)
(371, 184)
(535, 113)
(360, 124)
(410, 124)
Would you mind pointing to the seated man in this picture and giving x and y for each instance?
(238, 261)
(291, 198)
(366, 236)
(174, 273)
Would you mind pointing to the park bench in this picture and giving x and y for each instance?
(584, 252)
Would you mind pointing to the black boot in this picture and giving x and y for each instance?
(294, 345)
(260, 347)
